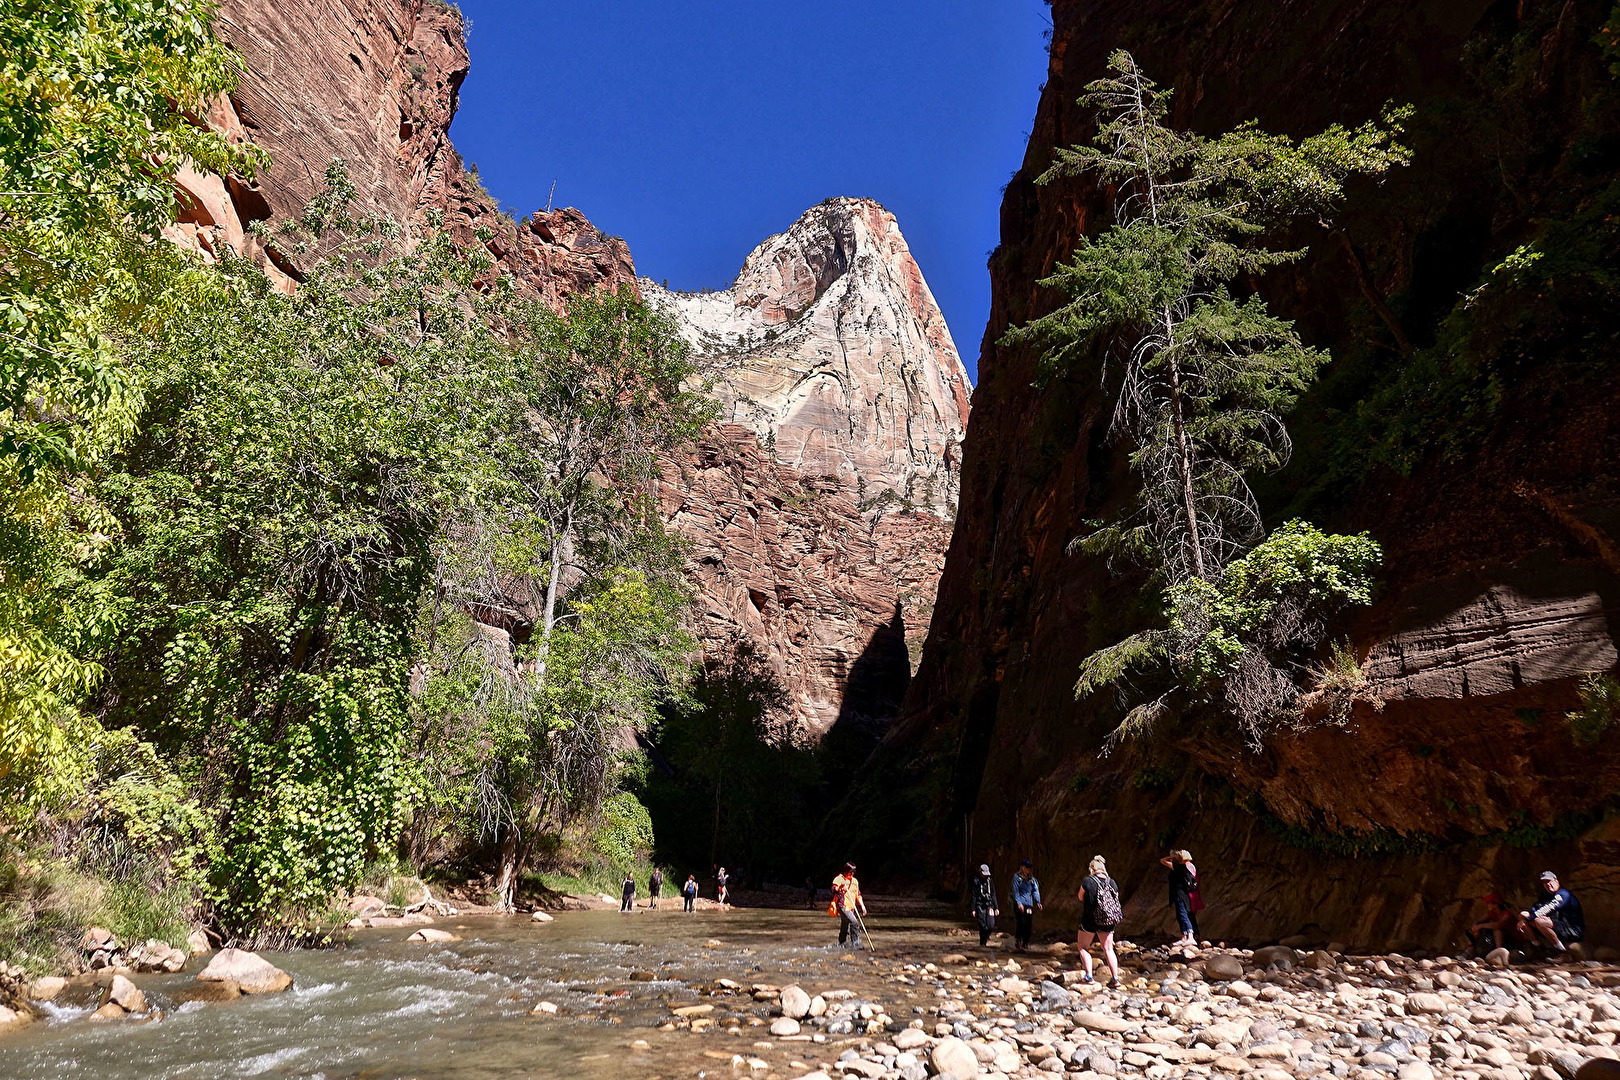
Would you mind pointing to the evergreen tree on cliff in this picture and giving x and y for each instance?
(1204, 375)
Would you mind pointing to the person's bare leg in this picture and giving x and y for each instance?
(1082, 941)
(1544, 929)
(1108, 954)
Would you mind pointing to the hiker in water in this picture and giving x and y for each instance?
(1099, 916)
(689, 891)
(1026, 898)
(846, 891)
(1557, 921)
(655, 885)
(1498, 929)
(627, 895)
(1183, 887)
(720, 891)
(984, 903)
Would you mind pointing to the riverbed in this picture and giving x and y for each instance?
(382, 1007)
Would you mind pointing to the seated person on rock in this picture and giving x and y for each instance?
(1557, 921)
(1499, 929)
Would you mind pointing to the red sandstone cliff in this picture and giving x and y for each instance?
(373, 83)
(835, 595)
(1500, 585)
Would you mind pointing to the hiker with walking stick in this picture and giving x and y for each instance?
(848, 906)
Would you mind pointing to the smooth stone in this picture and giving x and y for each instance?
(126, 995)
(1102, 1022)
(223, 990)
(784, 1025)
(430, 934)
(47, 987)
(1223, 967)
(109, 1011)
(1425, 1005)
(795, 1003)
(955, 1057)
(250, 971)
(197, 943)
(545, 1008)
(910, 1038)
(541, 916)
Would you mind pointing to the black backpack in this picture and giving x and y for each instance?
(1108, 910)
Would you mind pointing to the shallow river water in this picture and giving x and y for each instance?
(384, 1008)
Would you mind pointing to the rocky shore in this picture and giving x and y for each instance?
(1274, 1013)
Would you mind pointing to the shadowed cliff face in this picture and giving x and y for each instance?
(1479, 454)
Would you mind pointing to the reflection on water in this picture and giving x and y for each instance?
(385, 1008)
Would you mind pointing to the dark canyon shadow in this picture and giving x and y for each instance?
(732, 788)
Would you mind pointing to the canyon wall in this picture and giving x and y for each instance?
(1475, 439)
(817, 512)
(823, 552)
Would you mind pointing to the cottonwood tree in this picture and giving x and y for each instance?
(1204, 375)
(599, 392)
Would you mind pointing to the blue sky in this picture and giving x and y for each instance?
(697, 128)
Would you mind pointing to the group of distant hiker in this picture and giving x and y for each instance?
(1555, 923)
(1100, 911)
(688, 892)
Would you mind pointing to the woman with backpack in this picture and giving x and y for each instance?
(1184, 895)
(1099, 914)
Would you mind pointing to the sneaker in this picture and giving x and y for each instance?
(1113, 984)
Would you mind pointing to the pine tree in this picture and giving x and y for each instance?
(1205, 374)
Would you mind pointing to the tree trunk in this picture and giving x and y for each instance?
(549, 619)
(1184, 461)
(506, 875)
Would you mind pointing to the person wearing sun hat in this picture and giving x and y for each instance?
(984, 903)
(1557, 921)
(846, 890)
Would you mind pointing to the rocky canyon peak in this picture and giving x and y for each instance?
(830, 348)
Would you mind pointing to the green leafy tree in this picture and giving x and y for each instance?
(91, 125)
(1206, 376)
(568, 550)
(282, 503)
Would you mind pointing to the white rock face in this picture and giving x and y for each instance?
(830, 346)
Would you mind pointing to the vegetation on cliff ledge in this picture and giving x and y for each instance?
(1204, 377)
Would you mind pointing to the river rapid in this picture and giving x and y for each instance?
(383, 1007)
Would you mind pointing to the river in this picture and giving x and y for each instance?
(383, 1008)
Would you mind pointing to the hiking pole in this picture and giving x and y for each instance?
(862, 924)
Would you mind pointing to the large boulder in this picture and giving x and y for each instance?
(47, 987)
(126, 995)
(250, 971)
(953, 1057)
(1282, 955)
(795, 1003)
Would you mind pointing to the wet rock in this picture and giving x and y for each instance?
(197, 944)
(545, 1008)
(795, 1003)
(250, 971)
(542, 916)
(126, 995)
(223, 990)
(10, 1017)
(687, 1012)
(47, 988)
(643, 976)
(109, 1011)
(1223, 967)
(427, 933)
(784, 1025)
(953, 1057)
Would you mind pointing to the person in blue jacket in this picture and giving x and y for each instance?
(1026, 898)
(1557, 920)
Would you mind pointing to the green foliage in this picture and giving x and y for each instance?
(90, 100)
(281, 506)
(1600, 705)
(1297, 567)
(1206, 376)
(626, 833)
